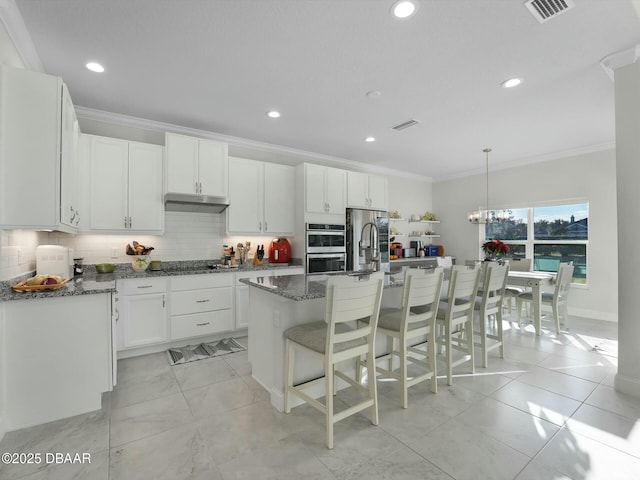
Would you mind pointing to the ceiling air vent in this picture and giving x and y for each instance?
(544, 10)
(407, 124)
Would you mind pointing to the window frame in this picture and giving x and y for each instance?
(530, 242)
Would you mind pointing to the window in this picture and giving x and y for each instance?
(549, 234)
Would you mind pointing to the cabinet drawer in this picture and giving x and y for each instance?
(138, 286)
(197, 324)
(192, 282)
(204, 300)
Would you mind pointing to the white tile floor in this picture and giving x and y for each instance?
(547, 411)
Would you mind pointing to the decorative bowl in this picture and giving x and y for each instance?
(140, 263)
(105, 267)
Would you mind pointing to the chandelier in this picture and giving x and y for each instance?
(488, 216)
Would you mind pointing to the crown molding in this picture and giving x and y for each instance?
(620, 59)
(17, 30)
(270, 148)
(531, 160)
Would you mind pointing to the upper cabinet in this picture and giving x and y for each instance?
(38, 152)
(324, 189)
(261, 197)
(126, 185)
(196, 165)
(366, 191)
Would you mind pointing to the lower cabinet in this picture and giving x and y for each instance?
(142, 309)
(201, 305)
(57, 357)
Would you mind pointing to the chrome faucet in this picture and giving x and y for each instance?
(370, 252)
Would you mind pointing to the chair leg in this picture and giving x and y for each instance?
(556, 316)
(402, 347)
(373, 386)
(390, 342)
(483, 339)
(288, 371)
(431, 350)
(329, 382)
(447, 346)
(358, 370)
(498, 318)
(471, 349)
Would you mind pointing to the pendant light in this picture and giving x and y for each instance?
(487, 216)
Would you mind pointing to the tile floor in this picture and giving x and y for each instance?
(547, 411)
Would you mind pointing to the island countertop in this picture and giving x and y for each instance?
(304, 287)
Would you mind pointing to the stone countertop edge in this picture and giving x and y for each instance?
(91, 282)
(300, 287)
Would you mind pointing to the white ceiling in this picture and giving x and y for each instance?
(219, 65)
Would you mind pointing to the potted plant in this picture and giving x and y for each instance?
(494, 248)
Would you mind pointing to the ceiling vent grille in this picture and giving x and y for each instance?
(544, 10)
(407, 124)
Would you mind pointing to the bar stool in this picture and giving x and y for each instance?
(489, 306)
(455, 317)
(415, 320)
(337, 338)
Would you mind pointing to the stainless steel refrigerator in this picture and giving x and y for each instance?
(367, 240)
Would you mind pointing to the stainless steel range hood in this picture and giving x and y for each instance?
(184, 202)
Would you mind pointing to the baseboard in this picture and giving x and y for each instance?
(593, 314)
(161, 347)
(627, 385)
(3, 429)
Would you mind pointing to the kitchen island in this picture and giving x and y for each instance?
(278, 302)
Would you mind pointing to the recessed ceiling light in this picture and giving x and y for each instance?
(373, 94)
(273, 114)
(512, 82)
(95, 67)
(403, 9)
(370, 139)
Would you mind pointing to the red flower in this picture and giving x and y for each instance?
(495, 247)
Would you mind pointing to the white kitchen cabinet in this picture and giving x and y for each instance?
(201, 305)
(142, 310)
(324, 189)
(37, 148)
(196, 165)
(59, 357)
(261, 197)
(366, 191)
(70, 164)
(126, 185)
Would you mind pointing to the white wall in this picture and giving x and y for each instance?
(590, 177)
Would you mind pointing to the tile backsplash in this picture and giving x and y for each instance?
(188, 236)
(18, 251)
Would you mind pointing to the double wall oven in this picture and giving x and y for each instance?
(326, 248)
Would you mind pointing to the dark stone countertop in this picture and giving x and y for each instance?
(92, 282)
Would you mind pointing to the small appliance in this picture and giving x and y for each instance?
(54, 260)
(279, 251)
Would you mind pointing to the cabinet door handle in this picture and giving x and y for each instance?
(144, 286)
(202, 324)
(265, 226)
(130, 222)
(163, 301)
(202, 301)
(125, 222)
(259, 226)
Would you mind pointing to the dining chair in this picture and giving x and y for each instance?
(489, 307)
(455, 317)
(337, 338)
(556, 300)
(512, 291)
(411, 331)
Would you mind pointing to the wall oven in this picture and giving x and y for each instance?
(325, 248)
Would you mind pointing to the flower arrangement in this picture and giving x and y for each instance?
(495, 248)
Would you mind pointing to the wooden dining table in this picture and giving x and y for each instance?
(536, 281)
